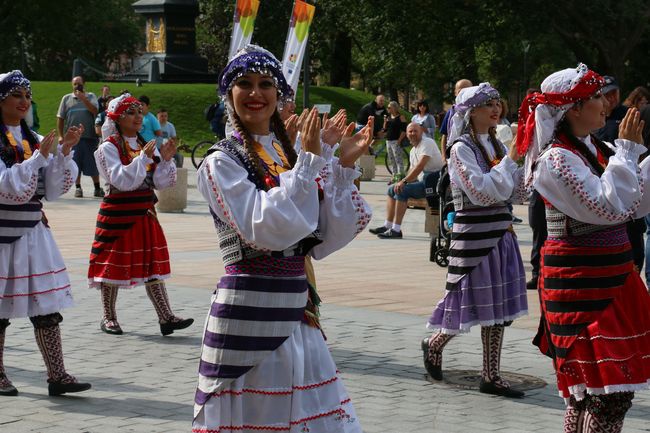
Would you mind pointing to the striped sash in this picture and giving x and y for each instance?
(475, 233)
(117, 214)
(578, 283)
(17, 220)
(250, 317)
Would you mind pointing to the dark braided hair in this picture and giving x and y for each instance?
(496, 144)
(564, 128)
(248, 147)
(277, 127)
(27, 135)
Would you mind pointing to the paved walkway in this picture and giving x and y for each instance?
(377, 296)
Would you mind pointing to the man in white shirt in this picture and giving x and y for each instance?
(425, 158)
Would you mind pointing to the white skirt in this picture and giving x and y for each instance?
(296, 389)
(33, 277)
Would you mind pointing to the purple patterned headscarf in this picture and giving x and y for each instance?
(11, 81)
(468, 99)
(253, 58)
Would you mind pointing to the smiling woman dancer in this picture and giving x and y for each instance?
(595, 323)
(486, 283)
(264, 364)
(130, 247)
(33, 278)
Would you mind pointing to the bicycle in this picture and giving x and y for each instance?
(200, 151)
(379, 149)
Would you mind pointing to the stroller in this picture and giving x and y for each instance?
(439, 197)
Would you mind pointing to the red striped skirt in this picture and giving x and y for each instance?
(595, 319)
(130, 246)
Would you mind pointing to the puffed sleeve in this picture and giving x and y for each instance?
(123, 177)
(483, 189)
(60, 174)
(343, 212)
(18, 183)
(562, 178)
(268, 220)
(165, 174)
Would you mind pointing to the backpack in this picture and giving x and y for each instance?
(210, 111)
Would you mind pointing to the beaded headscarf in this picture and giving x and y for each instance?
(468, 99)
(11, 81)
(540, 113)
(253, 58)
(117, 108)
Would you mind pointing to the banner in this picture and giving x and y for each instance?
(294, 49)
(243, 25)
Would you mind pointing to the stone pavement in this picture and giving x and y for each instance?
(377, 296)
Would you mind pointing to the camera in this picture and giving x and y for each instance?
(79, 87)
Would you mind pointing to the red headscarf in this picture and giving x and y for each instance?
(589, 84)
(118, 106)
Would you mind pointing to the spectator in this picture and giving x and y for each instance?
(169, 131)
(425, 158)
(614, 110)
(101, 117)
(425, 119)
(638, 98)
(150, 127)
(215, 114)
(375, 108)
(460, 85)
(104, 99)
(395, 129)
(81, 108)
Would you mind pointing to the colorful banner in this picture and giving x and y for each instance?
(294, 49)
(243, 25)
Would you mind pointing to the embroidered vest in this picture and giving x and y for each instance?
(461, 200)
(560, 225)
(126, 156)
(233, 247)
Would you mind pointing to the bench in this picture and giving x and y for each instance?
(431, 216)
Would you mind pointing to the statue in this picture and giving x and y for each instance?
(156, 36)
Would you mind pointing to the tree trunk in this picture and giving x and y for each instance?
(341, 63)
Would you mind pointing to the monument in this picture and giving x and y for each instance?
(170, 43)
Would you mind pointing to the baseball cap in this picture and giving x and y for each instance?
(610, 84)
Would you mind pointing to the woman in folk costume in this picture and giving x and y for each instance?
(264, 363)
(486, 283)
(595, 323)
(33, 278)
(130, 247)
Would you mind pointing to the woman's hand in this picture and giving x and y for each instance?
(352, 147)
(513, 153)
(334, 128)
(71, 138)
(291, 126)
(310, 134)
(168, 150)
(47, 143)
(631, 127)
(149, 148)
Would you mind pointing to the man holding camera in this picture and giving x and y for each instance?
(80, 108)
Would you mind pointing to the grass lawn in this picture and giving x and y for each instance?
(185, 102)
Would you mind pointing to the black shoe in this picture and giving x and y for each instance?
(497, 389)
(378, 230)
(169, 327)
(7, 387)
(58, 388)
(517, 220)
(390, 234)
(110, 327)
(435, 371)
(98, 193)
(531, 284)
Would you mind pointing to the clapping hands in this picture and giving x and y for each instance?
(71, 138)
(353, 146)
(631, 127)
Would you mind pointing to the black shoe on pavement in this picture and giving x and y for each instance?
(378, 230)
(98, 193)
(495, 388)
(517, 220)
(6, 387)
(531, 284)
(169, 327)
(390, 234)
(435, 371)
(61, 387)
(110, 326)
